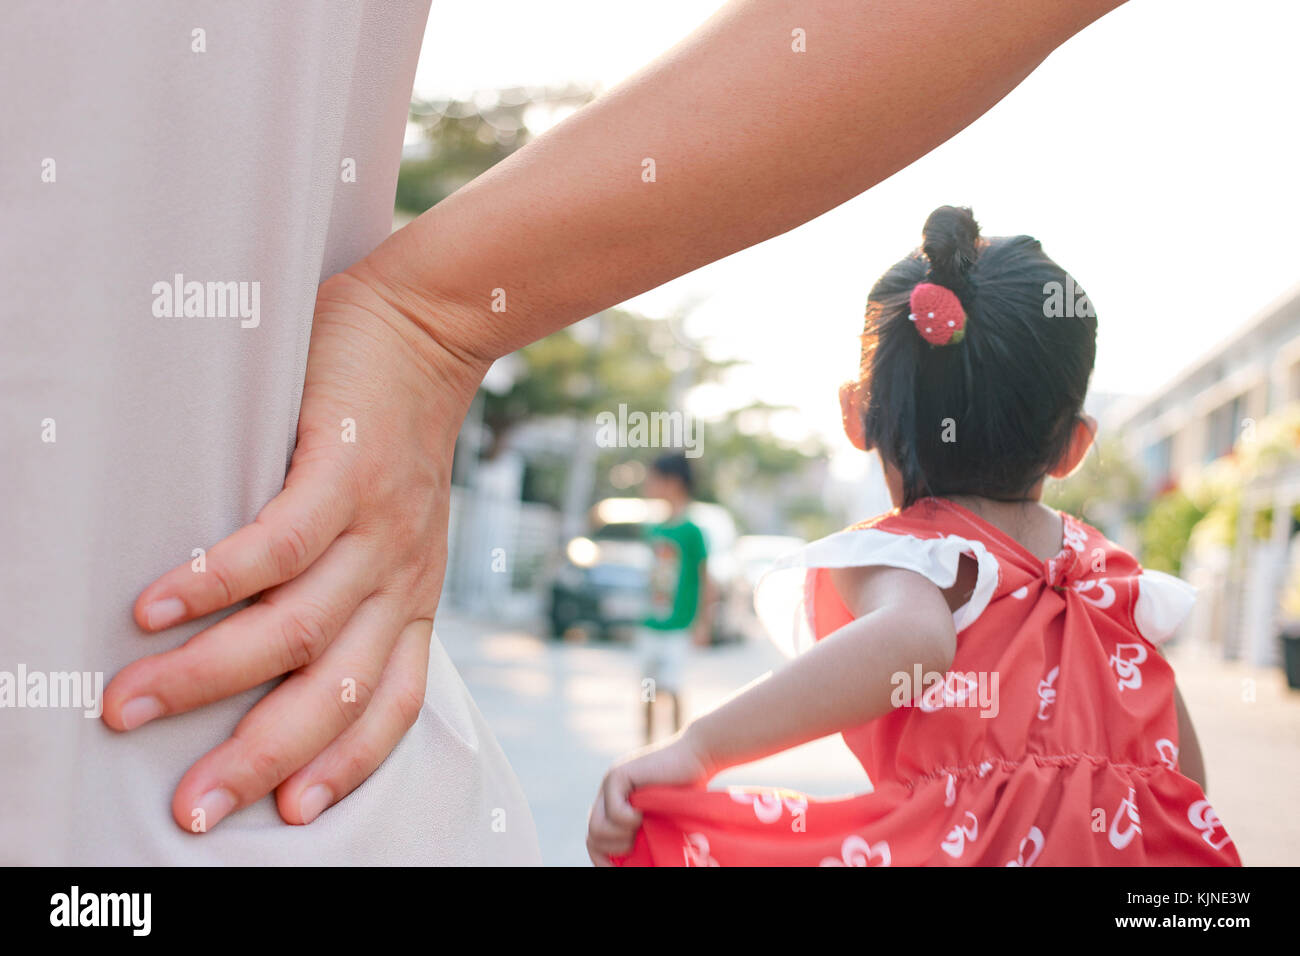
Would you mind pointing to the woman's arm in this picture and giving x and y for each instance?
(747, 137)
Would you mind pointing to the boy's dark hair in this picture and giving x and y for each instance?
(675, 466)
(1013, 387)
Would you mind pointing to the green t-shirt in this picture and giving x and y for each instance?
(675, 581)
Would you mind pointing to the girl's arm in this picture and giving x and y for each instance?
(1190, 761)
(846, 679)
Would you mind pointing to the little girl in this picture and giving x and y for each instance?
(992, 663)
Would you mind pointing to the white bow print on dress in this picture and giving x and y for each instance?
(1167, 751)
(695, 851)
(1202, 816)
(1127, 811)
(1085, 590)
(955, 843)
(1047, 692)
(768, 804)
(857, 852)
(1127, 662)
(1033, 839)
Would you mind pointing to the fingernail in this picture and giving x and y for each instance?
(139, 711)
(214, 805)
(315, 800)
(164, 613)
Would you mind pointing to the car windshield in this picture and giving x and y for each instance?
(618, 576)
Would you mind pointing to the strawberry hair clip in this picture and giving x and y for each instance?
(937, 314)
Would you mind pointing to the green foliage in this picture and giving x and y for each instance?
(745, 457)
(619, 358)
(1103, 492)
(612, 358)
(1205, 513)
(466, 137)
(1167, 528)
(809, 518)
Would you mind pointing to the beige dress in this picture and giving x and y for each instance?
(215, 141)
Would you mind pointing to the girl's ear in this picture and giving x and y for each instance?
(1081, 439)
(851, 412)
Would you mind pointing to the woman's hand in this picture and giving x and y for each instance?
(613, 821)
(348, 560)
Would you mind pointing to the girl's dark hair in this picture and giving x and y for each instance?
(991, 414)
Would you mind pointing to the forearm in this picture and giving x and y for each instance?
(845, 680)
(1190, 760)
(748, 139)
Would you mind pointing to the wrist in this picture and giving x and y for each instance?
(421, 322)
(696, 738)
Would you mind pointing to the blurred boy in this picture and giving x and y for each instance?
(679, 589)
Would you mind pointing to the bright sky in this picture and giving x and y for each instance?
(1156, 155)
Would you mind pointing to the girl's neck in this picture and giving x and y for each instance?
(1036, 527)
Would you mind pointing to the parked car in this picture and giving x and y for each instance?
(603, 581)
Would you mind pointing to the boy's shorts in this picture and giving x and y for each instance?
(663, 656)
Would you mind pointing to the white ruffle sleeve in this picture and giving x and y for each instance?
(783, 598)
(1163, 603)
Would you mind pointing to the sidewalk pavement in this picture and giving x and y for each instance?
(563, 712)
(1248, 724)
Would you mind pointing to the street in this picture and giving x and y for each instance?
(562, 712)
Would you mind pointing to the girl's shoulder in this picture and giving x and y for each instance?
(1084, 548)
(949, 545)
(797, 596)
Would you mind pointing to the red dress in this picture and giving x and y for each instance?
(1052, 740)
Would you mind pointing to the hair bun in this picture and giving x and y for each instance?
(950, 241)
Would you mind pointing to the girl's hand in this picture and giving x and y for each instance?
(348, 560)
(613, 822)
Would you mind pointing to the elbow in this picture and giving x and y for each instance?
(941, 644)
(933, 638)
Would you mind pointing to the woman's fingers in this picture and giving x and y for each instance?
(294, 722)
(346, 763)
(291, 532)
(286, 630)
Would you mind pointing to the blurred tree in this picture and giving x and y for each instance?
(619, 358)
(1205, 511)
(462, 138)
(758, 477)
(769, 484)
(1166, 529)
(612, 358)
(1105, 492)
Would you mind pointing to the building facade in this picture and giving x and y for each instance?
(1206, 413)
